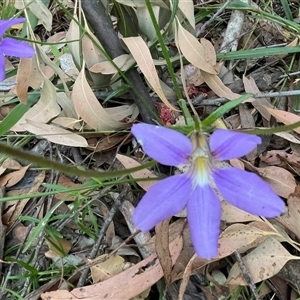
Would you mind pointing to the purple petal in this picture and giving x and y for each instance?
(2, 67)
(12, 47)
(165, 199)
(227, 144)
(204, 215)
(249, 192)
(5, 24)
(167, 146)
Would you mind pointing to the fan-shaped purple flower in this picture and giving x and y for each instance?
(193, 189)
(10, 46)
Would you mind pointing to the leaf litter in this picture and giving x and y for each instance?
(78, 126)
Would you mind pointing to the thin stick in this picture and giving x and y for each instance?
(96, 247)
(219, 101)
(218, 12)
(247, 275)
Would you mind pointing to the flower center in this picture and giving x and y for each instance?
(201, 160)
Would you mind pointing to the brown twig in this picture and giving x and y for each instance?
(108, 220)
(246, 275)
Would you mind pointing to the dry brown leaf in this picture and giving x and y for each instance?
(187, 8)
(88, 107)
(106, 67)
(72, 37)
(239, 237)
(46, 108)
(14, 210)
(109, 142)
(232, 214)
(272, 158)
(13, 178)
(186, 276)
(217, 86)
(288, 136)
(264, 226)
(36, 76)
(260, 103)
(129, 162)
(138, 3)
(263, 262)
(291, 220)
(23, 78)
(92, 55)
(117, 243)
(2, 170)
(57, 37)
(68, 123)
(117, 287)
(285, 117)
(20, 232)
(162, 248)
(141, 53)
(6, 109)
(120, 113)
(58, 247)
(11, 164)
(246, 117)
(68, 183)
(192, 75)
(112, 266)
(210, 52)
(281, 180)
(55, 134)
(237, 163)
(28, 75)
(39, 9)
(193, 51)
(67, 105)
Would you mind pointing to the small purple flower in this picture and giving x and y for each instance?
(10, 46)
(193, 189)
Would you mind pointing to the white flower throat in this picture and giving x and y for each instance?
(201, 160)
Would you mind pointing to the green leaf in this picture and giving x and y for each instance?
(219, 112)
(127, 21)
(17, 113)
(40, 227)
(42, 162)
(268, 131)
(186, 113)
(257, 53)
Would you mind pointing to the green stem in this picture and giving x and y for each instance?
(42, 162)
(164, 49)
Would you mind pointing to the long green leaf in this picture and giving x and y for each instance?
(268, 131)
(40, 227)
(256, 53)
(219, 112)
(42, 162)
(16, 114)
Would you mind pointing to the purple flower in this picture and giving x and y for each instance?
(12, 47)
(193, 189)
